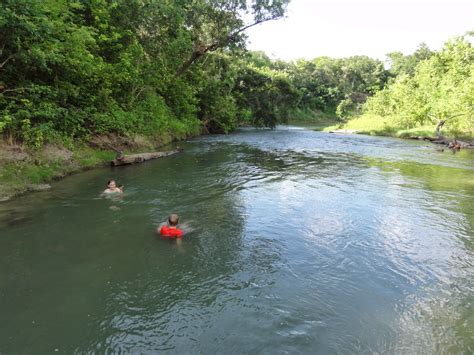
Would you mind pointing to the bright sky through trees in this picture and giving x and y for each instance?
(340, 28)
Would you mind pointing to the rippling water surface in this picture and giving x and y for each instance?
(301, 242)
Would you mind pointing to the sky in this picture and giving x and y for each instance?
(342, 28)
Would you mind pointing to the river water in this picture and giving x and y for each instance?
(298, 242)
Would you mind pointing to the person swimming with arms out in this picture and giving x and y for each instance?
(170, 229)
(112, 188)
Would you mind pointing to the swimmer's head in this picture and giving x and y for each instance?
(111, 184)
(173, 219)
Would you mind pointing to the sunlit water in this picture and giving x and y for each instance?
(302, 242)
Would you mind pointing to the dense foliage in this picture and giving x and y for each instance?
(406, 64)
(339, 85)
(76, 68)
(440, 87)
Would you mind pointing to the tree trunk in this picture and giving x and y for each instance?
(438, 128)
(195, 56)
(139, 158)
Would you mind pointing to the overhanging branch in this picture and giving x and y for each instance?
(6, 61)
(198, 53)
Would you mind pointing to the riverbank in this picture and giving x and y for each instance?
(315, 120)
(377, 126)
(361, 125)
(23, 169)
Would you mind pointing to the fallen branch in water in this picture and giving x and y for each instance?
(452, 144)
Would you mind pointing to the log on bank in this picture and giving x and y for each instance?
(139, 158)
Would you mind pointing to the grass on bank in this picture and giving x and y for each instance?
(380, 126)
(23, 175)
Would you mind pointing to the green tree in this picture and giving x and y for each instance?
(266, 95)
(440, 88)
(401, 64)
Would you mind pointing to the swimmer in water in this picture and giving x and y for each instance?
(112, 188)
(170, 229)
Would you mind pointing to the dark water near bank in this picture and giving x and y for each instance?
(303, 242)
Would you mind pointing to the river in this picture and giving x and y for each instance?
(299, 242)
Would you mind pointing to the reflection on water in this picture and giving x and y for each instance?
(301, 242)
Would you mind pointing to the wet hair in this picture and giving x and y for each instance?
(173, 219)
